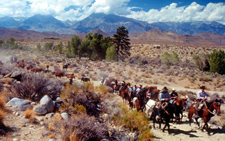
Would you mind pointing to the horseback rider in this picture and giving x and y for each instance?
(102, 81)
(123, 84)
(138, 89)
(163, 98)
(201, 98)
(173, 96)
(148, 95)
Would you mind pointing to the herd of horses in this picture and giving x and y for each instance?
(173, 112)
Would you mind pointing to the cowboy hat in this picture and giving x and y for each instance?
(202, 87)
(173, 89)
(165, 89)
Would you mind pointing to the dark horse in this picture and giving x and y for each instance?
(166, 115)
(180, 106)
(124, 92)
(206, 113)
(140, 104)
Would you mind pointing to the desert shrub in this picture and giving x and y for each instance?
(102, 89)
(38, 47)
(34, 87)
(205, 78)
(48, 46)
(29, 114)
(169, 59)
(88, 87)
(79, 109)
(82, 128)
(73, 96)
(135, 121)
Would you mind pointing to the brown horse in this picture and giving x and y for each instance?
(124, 92)
(180, 106)
(206, 113)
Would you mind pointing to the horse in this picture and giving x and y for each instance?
(180, 106)
(109, 82)
(65, 66)
(124, 92)
(149, 106)
(59, 73)
(117, 86)
(140, 99)
(85, 79)
(206, 113)
(166, 115)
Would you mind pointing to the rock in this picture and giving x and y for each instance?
(15, 139)
(40, 110)
(47, 102)
(47, 133)
(65, 116)
(52, 140)
(59, 99)
(20, 104)
(49, 115)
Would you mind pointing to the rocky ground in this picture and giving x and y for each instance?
(27, 130)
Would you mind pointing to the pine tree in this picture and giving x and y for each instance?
(122, 43)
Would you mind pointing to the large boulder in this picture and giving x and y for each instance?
(40, 110)
(47, 103)
(20, 104)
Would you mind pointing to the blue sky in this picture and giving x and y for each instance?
(145, 10)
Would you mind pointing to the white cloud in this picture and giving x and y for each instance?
(193, 12)
(80, 9)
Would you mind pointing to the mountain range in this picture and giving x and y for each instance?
(108, 24)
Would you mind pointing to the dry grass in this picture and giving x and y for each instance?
(29, 114)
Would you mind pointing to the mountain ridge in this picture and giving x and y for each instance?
(109, 24)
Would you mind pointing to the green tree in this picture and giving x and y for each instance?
(48, 46)
(122, 43)
(84, 48)
(95, 47)
(38, 48)
(75, 43)
(217, 61)
(1, 42)
(111, 53)
(59, 47)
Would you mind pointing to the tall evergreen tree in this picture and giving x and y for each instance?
(122, 43)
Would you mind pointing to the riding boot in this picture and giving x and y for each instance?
(195, 115)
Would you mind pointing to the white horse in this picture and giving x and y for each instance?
(149, 107)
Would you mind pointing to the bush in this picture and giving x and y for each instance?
(135, 121)
(111, 54)
(34, 87)
(82, 128)
(169, 59)
(217, 61)
(48, 46)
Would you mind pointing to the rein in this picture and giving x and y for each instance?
(208, 109)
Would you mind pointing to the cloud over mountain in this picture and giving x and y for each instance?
(80, 9)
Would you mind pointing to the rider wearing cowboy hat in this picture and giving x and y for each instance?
(173, 96)
(163, 98)
(201, 98)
